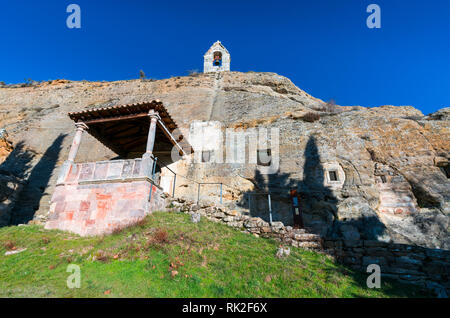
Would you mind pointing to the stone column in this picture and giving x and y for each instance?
(69, 163)
(80, 127)
(154, 117)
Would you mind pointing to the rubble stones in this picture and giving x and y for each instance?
(195, 217)
(254, 225)
(283, 252)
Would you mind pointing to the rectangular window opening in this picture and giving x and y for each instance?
(333, 175)
(264, 157)
(206, 155)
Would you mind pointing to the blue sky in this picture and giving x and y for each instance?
(323, 46)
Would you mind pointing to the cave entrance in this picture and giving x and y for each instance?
(446, 170)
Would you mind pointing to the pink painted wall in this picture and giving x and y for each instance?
(100, 208)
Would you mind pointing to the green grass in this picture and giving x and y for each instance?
(212, 260)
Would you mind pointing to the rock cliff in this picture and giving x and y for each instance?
(392, 162)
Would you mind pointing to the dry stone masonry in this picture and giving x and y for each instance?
(253, 225)
(409, 264)
(429, 268)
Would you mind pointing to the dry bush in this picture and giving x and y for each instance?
(45, 240)
(328, 107)
(161, 236)
(193, 72)
(101, 256)
(311, 117)
(142, 223)
(119, 229)
(10, 245)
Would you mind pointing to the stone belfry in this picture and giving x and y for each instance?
(217, 59)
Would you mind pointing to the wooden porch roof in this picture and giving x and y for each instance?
(124, 128)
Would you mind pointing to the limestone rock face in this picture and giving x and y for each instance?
(395, 160)
(10, 185)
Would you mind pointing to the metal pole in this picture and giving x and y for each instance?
(221, 193)
(198, 194)
(150, 195)
(154, 168)
(174, 181)
(270, 208)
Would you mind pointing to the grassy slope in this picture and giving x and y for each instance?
(212, 260)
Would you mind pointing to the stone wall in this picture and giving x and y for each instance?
(409, 264)
(406, 263)
(101, 208)
(249, 224)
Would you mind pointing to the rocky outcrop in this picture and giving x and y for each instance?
(10, 185)
(395, 160)
(5, 146)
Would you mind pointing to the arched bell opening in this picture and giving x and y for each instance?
(217, 59)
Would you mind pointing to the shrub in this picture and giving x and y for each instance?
(329, 107)
(311, 117)
(142, 223)
(141, 74)
(161, 236)
(45, 240)
(9, 245)
(193, 72)
(102, 256)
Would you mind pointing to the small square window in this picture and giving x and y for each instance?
(333, 175)
(264, 157)
(206, 155)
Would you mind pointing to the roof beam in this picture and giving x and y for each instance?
(115, 118)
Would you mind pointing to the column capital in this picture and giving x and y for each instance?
(81, 126)
(153, 114)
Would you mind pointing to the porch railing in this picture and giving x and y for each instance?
(103, 171)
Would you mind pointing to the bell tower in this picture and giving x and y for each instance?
(216, 59)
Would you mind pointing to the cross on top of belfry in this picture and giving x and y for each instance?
(216, 59)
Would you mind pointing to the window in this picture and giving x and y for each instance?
(383, 179)
(206, 155)
(333, 175)
(264, 157)
(217, 61)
